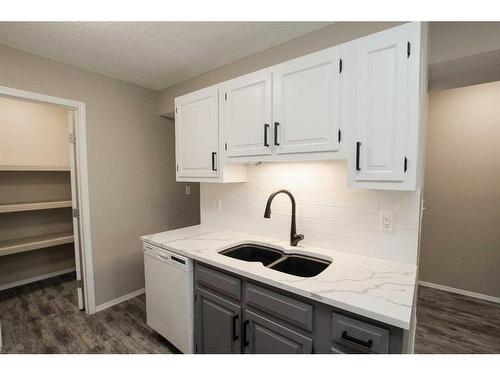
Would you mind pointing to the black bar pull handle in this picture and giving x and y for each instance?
(214, 154)
(358, 150)
(266, 142)
(245, 325)
(276, 124)
(405, 167)
(235, 319)
(366, 344)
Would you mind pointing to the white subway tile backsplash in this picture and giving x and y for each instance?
(328, 213)
(320, 212)
(364, 216)
(399, 237)
(405, 208)
(348, 199)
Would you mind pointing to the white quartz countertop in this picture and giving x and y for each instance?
(375, 288)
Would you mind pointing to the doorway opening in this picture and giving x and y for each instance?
(44, 197)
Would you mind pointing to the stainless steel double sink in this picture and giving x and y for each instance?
(292, 264)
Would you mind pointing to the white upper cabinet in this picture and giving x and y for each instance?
(364, 101)
(385, 151)
(246, 115)
(197, 134)
(381, 129)
(306, 103)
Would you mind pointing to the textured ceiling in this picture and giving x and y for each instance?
(150, 54)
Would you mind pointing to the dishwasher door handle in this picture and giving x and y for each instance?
(162, 257)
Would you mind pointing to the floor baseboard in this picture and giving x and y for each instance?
(36, 278)
(118, 300)
(463, 292)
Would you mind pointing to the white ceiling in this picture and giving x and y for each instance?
(150, 54)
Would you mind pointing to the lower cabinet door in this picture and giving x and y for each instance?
(218, 324)
(264, 336)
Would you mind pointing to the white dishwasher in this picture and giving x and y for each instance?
(169, 296)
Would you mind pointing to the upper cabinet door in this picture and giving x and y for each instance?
(306, 103)
(246, 115)
(383, 125)
(197, 134)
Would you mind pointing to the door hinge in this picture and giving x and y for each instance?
(76, 213)
(72, 138)
(340, 66)
(79, 283)
(405, 166)
(225, 96)
(340, 135)
(408, 49)
(177, 167)
(175, 109)
(195, 297)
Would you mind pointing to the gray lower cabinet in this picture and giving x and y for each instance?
(234, 314)
(264, 336)
(217, 324)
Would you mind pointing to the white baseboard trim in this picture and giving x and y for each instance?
(118, 300)
(467, 293)
(36, 278)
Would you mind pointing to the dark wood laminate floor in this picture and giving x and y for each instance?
(449, 323)
(43, 318)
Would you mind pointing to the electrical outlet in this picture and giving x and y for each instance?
(386, 222)
(188, 189)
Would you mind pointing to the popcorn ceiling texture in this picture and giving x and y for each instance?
(329, 214)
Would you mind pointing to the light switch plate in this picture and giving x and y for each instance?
(188, 189)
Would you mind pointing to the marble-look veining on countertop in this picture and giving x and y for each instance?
(375, 288)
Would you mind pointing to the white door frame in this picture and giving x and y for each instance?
(83, 182)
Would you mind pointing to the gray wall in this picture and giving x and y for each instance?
(460, 244)
(131, 165)
(463, 54)
(453, 40)
(460, 54)
(337, 33)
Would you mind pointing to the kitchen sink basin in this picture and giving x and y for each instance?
(254, 253)
(292, 264)
(300, 265)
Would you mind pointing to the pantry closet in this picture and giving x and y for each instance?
(37, 172)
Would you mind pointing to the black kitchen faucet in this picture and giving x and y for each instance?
(294, 237)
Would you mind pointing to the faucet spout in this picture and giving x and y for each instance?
(294, 237)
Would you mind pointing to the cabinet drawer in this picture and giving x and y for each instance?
(218, 281)
(361, 337)
(285, 308)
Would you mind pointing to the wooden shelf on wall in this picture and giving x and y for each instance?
(33, 206)
(34, 168)
(21, 245)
